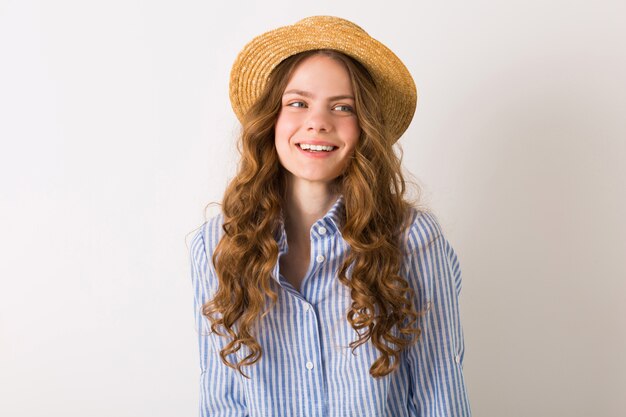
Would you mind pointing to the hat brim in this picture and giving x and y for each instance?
(254, 64)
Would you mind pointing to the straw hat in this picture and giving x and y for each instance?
(258, 58)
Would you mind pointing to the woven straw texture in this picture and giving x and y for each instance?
(256, 61)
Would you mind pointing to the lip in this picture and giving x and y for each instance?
(316, 155)
(316, 142)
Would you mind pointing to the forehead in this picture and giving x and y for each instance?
(321, 73)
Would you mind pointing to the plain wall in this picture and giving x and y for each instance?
(116, 131)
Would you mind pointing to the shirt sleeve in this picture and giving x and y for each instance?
(436, 360)
(221, 393)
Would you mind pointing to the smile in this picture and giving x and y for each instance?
(316, 148)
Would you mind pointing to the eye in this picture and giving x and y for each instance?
(297, 104)
(344, 108)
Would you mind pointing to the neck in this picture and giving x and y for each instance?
(305, 203)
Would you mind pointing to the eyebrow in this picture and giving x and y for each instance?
(310, 95)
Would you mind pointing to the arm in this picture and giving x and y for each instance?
(436, 361)
(220, 390)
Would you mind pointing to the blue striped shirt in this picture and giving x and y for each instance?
(307, 367)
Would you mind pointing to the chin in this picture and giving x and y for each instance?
(316, 178)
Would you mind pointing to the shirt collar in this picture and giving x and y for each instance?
(333, 219)
(327, 226)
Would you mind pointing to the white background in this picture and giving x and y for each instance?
(116, 131)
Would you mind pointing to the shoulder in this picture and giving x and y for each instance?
(202, 247)
(427, 249)
(423, 229)
(207, 236)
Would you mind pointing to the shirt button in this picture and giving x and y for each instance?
(321, 230)
(309, 365)
(457, 358)
(306, 308)
(319, 259)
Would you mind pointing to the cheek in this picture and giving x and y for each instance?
(285, 126)
(281, 137)
(282, 149)
(352, 132)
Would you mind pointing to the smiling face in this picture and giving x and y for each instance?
(317, 128)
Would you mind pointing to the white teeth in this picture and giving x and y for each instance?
(325, 148)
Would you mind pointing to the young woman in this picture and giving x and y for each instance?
(319, 290)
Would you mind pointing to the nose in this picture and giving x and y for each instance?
(318, 121)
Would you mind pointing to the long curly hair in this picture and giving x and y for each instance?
(376, 214)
